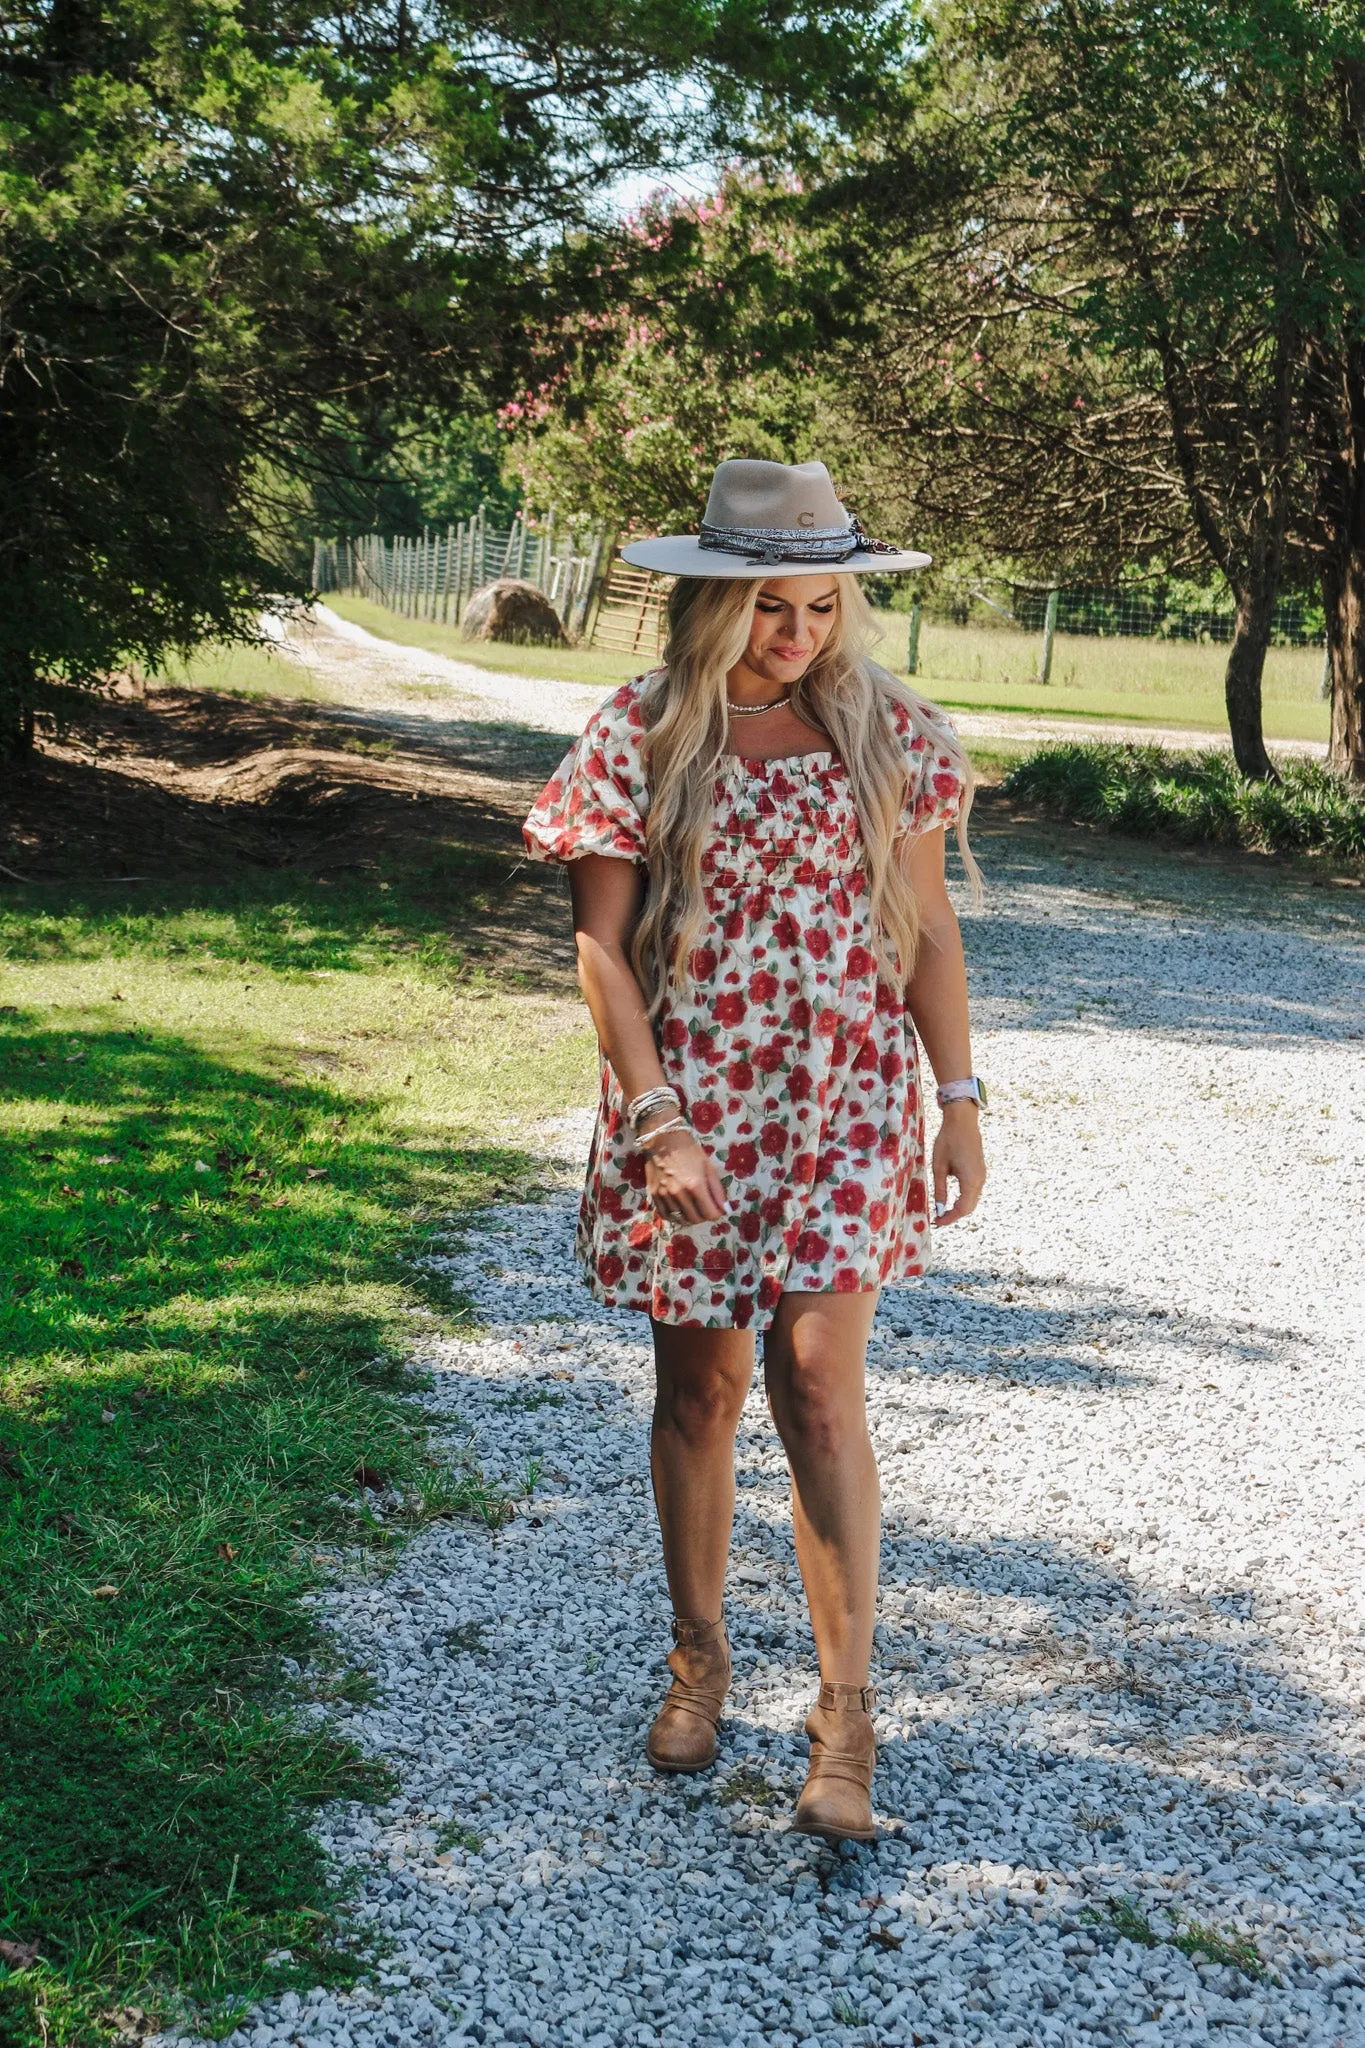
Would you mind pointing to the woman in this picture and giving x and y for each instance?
(757, 870)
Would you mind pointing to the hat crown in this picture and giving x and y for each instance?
(774, 497)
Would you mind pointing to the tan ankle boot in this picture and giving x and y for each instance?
(683, 1737)
(836, 1799)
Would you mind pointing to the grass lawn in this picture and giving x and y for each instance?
(232, 1112)
(1156, 682)
(250, 671)
(1159, 682)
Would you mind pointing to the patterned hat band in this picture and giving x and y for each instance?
(767, 546)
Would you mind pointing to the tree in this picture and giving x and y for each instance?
(705, 350)
(1100, 213)
(227, 236)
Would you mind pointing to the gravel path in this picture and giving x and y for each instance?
(1121, 1622)
(339, 650)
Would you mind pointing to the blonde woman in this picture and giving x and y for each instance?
(756, 840)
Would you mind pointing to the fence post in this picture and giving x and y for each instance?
(912, 650)
(596, 583)
(1049, 635)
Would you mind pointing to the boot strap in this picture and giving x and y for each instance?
(694, 1699)
(695, 1634)
(853, 1770)
(834, 1695)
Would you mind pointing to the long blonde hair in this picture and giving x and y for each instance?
(844, 694)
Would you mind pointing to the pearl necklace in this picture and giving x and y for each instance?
(756, 710)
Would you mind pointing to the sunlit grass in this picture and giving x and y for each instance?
(1160, 682)
(260, 670)
(230, 1121)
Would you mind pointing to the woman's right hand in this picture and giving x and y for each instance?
(682, 1181)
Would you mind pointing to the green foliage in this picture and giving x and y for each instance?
(1121, 253)
(1191, 1937)
(709, 351)
(233, 253)
(205, 1307)
(430, 471)
(1146, 790)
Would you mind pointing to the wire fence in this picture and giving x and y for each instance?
(1148, 612)
(1091, 611)
(603, 602)
(434, 574)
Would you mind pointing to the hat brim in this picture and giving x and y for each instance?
(682, 554)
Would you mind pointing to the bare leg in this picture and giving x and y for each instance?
(702, 1377)
(813, 1361)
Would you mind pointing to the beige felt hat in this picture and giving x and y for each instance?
(773, 519)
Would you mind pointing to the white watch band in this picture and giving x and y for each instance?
(962, 1091)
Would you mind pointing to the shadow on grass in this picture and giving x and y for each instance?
(204, 1310)
(295, 924)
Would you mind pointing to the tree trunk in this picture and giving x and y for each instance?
(1242, 683)
(1343, 599)
(18, 730)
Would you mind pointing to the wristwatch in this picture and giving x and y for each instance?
(962, 1091)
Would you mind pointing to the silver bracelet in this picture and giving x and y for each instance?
(648, 1101)
(645, 1139)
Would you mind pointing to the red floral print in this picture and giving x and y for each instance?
(796, 1061)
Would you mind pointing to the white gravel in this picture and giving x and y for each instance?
(479, 694)
(1120, 1435)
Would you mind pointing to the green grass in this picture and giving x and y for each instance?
(974, 668)
(1194, 797)
(247, 671)
(229, 1120)
(1191, 1937)
(1158, 682)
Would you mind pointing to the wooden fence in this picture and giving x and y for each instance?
(434, 575)
(630, 617)
(602, 602)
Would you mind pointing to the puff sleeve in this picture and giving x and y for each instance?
(597, 800)
(934, 756)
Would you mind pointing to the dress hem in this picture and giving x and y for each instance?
(763, 1317)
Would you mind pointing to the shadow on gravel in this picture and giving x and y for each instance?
(1220, 970)
(961, 1329)
(1063, 1747)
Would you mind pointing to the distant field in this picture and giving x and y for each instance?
(1157, 682)
(1162, 681)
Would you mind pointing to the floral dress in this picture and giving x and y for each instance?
(796, 1064)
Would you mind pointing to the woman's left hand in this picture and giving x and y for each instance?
(960, 1156)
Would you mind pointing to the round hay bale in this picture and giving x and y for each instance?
(514, 611)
